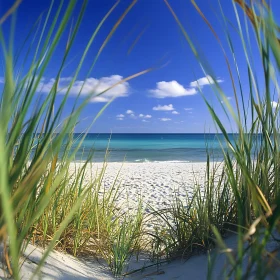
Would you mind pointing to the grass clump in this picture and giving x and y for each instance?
(98, 228)
(186, 227)
(126, 241)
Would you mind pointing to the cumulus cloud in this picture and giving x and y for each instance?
(145, 116)
(204, 81)
(274, 104)
(120, 116)
(89, 86)
(120, 119)
(164, 108)
(175, 113)
(174, 89)
(129, 112)
(145, 120)
(171, 89)
(164, 119)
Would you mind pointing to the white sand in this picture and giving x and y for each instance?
(60, 266)
(154, 182)
(65, 267)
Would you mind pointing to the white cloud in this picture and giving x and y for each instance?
(274, 104)
(164, 108)
(120, 119)
(171, 89)
(89, 86)
(145, 116)
(204, 81)
(175, 113)
(164, 119)
(188, 109)
(132, 116)
(129, 112)
(145, 120)
(174, 89)
(120, 116)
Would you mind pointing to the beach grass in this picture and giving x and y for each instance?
(251, 160)
(41, 200)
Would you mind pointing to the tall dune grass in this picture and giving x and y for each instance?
(251, 160)
(42, 200)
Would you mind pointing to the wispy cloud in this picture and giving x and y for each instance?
(131, 114)
(188, 109)
(120, 119)
(164, 119)
(145, 116)
(145, 120)
(174, 89)
(164, 108)
(89, 86)
(175, 113)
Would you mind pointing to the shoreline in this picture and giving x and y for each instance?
(148, 161)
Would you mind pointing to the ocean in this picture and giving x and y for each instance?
(148, 147)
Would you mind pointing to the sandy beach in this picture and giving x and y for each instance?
(153, 182)
(65, 267)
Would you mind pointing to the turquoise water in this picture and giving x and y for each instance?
(151, 147)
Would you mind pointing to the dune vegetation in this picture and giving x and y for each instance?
(45, 202)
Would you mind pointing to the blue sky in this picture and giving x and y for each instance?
(166, 99)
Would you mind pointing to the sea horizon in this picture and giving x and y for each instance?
(150, 147)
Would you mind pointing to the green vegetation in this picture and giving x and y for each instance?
(186, 227)
(246, 197)
(45, 199)
(41, 198)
